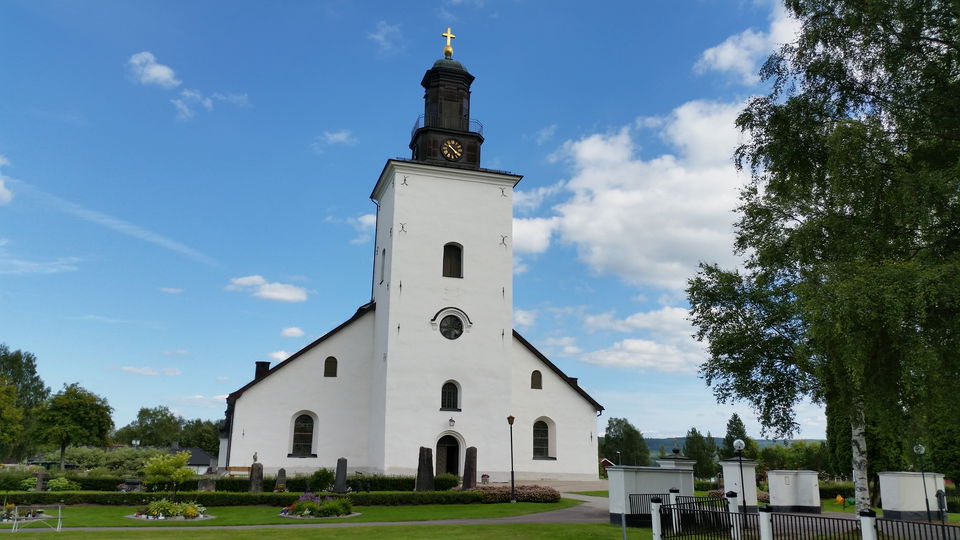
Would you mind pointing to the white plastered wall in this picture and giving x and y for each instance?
(264, 413)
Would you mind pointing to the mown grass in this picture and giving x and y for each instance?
(599, 493)
(113, 516)
(536, 531)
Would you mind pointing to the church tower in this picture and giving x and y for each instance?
(442, 287)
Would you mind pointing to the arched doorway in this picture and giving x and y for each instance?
(448, 455)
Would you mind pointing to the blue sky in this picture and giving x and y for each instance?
(184, 185)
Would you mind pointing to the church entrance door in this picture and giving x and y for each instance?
(448, 455)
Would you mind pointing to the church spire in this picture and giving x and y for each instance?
(445, 134)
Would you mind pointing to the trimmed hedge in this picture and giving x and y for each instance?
(705, 485)
(225, 498)
(830, 490)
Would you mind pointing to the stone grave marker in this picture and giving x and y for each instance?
(470, 468)
(340, 483)
(425, 471)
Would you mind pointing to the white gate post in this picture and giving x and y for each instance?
(868, 525)
(733, 510)
(675, 512)
(655, 518)
(766, 523)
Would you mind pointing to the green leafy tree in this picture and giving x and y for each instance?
(11, 416)
(849, 293)
(76, 416)
(696, 447)
(202, 434)
(157, 426)
(622, 436)
(168, 470)
(20, 369)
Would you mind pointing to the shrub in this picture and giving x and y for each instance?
(379, 482)
(10, 480)
(28, 484)
(501, 494)
(164, 507)
(322, 479)
(62, 484)
(830, 490)
(310, 505)
(763, 496)
(445, 481)
(704, 485)
(717, 493)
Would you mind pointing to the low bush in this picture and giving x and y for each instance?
(445, 481)
(62, 484)
(501, 494)
(10, 480)
(28, 484)
(379, 482)
(705, 485)
(311, 505)
(166, 508)
(411, 498)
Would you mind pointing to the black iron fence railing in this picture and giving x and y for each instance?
(640, 502)
(804, 527)
(461, 124)
(688, 521)
(916, 530)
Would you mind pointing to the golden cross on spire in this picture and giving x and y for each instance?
(448, 50)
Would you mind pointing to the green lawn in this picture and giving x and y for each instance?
(601, 493)
(112, 516)
(524, 531)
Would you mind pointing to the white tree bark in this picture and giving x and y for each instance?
(858, 443)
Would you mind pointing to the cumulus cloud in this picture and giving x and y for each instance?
(292, 331)
(665, 343)
(524, 318)
(5, 194)
(546, 134)
(649, 221)
(561, 346)
(387, 37)
(279, 356)
(258, 286)
(741, 54)
(526, 201)
(151, 372)
(146, 70)
(343, 137)
(171, 290)
(532, 235)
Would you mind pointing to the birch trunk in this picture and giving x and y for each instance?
(858, 443)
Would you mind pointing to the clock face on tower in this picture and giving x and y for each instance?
(451, 149)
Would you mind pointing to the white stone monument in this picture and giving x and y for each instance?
(731, 481)
(903, 497)
(625, 480)
(794, 491)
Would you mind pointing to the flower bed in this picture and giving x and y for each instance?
(164, 509)
(314, 506)
(501, 493)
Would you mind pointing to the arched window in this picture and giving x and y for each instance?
(450, 397)
(541, 439)
(536, 380)
(453, 260)
(330, 367)
(302, 437)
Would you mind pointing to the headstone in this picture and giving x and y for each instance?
(208, 483)
(41, 480)
(256, 478)
(425, 471)
(340, 483)
(281, 484)
(470, 468)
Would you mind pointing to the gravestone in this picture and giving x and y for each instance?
(41, 480)
(340, 483)
(425, 471)
(281, 483)
(256, 478)
(208, 483)
(470, 468)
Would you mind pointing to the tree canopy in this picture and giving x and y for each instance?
(703, 451)
(29, 391)
(161, 427)
(849, 228)
(621, 436)
(74, 416)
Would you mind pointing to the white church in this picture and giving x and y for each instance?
(432, 360)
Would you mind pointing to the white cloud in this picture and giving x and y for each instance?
(293, 331)
(171, 290)
(5, 194)
(146, 70)
(526, 201)
(279, 356)
(221, 378)
(151, 372)
(200, 400)
(261, 288)
(364, 224)
(561, 346)
(666, 344)
(176, 352)
(387, 37)
(649, 221)
(11, 264)
(546, 134)
(238, 100)
(188, 100)
(4, 161)
(532, 235)
(741, 54)
(524, 318)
